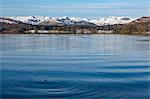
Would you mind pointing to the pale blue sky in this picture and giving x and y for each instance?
(77, 8)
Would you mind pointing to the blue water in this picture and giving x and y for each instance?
(74, 67)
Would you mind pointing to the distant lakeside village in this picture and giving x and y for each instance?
(46, 25)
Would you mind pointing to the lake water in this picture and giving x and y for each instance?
(75, 66)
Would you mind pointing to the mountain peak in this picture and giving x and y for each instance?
(35, 20)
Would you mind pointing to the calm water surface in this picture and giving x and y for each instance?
(74, 67)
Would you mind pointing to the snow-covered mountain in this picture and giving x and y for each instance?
(111, 20)
(9, 20)
(42, 20)
(35, 20)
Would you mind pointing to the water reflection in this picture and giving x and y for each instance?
(74, 66)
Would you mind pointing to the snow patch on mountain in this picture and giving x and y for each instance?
(111, 21)
(3, 20)
(36, 20)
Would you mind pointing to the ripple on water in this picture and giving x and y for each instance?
(67, 67)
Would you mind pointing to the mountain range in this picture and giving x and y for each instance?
(42, 20)
(67, 25)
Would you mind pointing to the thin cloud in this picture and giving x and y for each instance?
(80, 8)
(77, 6)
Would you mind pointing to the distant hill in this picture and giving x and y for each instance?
(141, 20)
(138, 26)
(74, 21)
(116, 25)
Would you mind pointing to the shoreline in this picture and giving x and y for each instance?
(138, 34)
